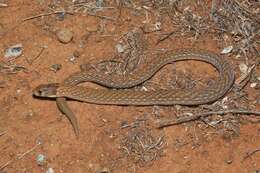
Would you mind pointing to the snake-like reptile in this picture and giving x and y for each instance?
(116, 94)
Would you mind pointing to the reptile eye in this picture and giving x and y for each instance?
(40, 92)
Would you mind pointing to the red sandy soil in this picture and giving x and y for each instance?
(26, 121)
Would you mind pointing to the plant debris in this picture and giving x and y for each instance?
(141, 146)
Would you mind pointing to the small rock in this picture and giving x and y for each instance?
(227, 50)
(18, 91)
(50, 170)
(257, 87)
(253, 85)
(29, 114)
(60, 16)
(120, 48)
(103, 170)
(39, 140)
(157, 26)
(100, 3)
(229, 161)
(76, 54)
(64, 35)
(41, 159)
(55, 67)
(72, 59)
(3, 5)
(144, 88)
(14, 51)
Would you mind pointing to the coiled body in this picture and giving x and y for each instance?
(117, 94)
(157, 97)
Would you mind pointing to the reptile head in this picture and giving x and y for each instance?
(46, 90)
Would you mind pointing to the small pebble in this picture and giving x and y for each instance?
(157, 26)
(72, 58)
(3, 5)
(29, 114)
(253, 85)
(18, 91)
(55, 67)
(64, 35)
(60, 16)
(100, 3)
(143, 88)
(103, 170)
(229, 161)
(257, 86)
(120, 48)
(227, 50)
(14, 51)
(76, 54)
(39, 140)
(50, 170)
(40, 159)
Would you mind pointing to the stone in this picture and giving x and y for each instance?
(64, 35)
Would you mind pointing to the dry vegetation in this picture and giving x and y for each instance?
(116, 37)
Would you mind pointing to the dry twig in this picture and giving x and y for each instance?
(249, 154)
(19, 157)
(165, 37)
(3, 5)
(102, 17)
(46, 14)
(30, 61)
(165, 123)
(2, 133)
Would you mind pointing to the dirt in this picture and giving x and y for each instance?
(109, 135)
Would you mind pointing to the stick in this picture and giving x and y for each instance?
(46, 14)
(20, 156)
(2, 133)
(165, 37)
(165, 123)
(101, 17)
(3, 5)
(250, 154)
(30, 61)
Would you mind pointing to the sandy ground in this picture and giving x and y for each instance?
(110, 136)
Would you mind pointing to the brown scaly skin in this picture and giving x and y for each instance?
(46, 90)
(69, 88)
(50, 91)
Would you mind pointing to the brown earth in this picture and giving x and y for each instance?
(33, 126)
